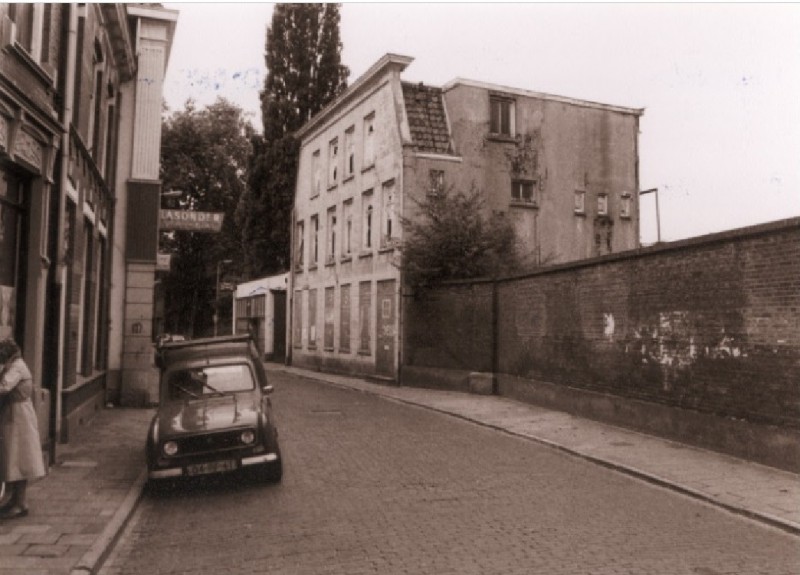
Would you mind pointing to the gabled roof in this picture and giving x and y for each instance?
(387, 63)
(427, 119)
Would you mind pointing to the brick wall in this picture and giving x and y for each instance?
(710, 325)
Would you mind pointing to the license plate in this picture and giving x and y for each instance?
(211, 467)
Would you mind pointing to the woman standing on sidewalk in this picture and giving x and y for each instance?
(20, 446)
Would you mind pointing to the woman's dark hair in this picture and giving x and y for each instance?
(8, 349)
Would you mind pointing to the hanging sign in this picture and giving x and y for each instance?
(191, 221)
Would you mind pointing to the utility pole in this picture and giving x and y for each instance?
(216, 295)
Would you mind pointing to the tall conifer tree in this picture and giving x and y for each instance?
(304, 73)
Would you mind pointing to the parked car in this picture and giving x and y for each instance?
(215, 411)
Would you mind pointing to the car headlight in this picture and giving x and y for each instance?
(170, 448)
(248, 437)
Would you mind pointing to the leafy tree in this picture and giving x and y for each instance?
(204, 154)
(303, 58)
(450, 237)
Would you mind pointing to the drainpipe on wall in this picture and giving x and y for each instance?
(61, 265)
(287, 360)
(495, 337)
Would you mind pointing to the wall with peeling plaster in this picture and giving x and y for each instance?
(709, 325)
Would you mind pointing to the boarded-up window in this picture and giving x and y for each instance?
(344, 319)
(329, 318)
(297, 336)
(312, 319)
(364, 304)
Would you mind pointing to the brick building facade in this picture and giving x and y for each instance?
(697, 340)
(76, 124)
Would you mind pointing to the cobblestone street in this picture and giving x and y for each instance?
(374, 486)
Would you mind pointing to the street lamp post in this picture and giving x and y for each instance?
(658, 216)
(216, 295)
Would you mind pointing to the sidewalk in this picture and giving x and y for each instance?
(80, 508)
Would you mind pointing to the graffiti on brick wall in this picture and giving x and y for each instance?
(674, 343)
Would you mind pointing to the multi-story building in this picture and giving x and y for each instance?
(80, 125)
(564, 170)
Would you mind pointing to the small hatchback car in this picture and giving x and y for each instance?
(215, 413)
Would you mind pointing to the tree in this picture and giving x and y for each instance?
(450, 238)
(204, 154)
(303, 58)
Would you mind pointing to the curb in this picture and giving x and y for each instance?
(776, 522)
(93, 559)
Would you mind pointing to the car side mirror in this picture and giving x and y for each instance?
(267, 389)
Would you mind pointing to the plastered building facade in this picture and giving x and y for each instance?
(564, 171)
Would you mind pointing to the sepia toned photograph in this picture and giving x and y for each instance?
(399, 288)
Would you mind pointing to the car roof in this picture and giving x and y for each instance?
(208, 349)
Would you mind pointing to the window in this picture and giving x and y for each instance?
(368, 218)
(333, 162)
(388, 223)
(312, 319)
(12, 279)
(96, 118)
(89, 288)
(299, 243)
(297, 328)
(330, 316)
(347, 232)
(350, 150)
(580, 202)
(524, 192)
(344, 319)
(502, 116)
(314, 240)
(28, 21)
(331, 236)
(364, 306)
(316, 174)
(102, 298)
(436, 182)
(369, 141)
(602, 204)
(625, 205)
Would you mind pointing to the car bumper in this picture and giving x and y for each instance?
(180, 471)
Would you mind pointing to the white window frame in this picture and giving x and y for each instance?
(350, 152)
(300, 244)
(368, 220)
(602, 204)
(314, 256)
(388, 213)
(316, 174)
(333, 163)
(347, 233)
(436, 182)
(368, 140)
(580, 202)
(517, 192)
(626, 205)
(331, 233)
(496, 113)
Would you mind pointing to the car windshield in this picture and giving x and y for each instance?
(195, 383)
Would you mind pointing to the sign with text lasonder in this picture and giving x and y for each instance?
(186, 220)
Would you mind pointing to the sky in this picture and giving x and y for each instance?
(719, 83)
